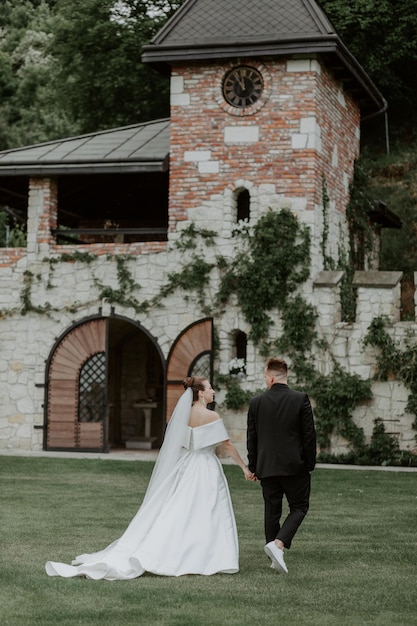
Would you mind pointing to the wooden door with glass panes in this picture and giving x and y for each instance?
(190, 355)
(76, 390)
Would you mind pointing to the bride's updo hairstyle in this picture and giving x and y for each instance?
(196, 384)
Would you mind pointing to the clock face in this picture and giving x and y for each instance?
(242, 86)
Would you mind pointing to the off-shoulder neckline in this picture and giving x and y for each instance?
(204, 425)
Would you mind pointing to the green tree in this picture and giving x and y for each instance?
(394, 181)
(72, 66)
(99, 76)
(29, 111)
(381, 34)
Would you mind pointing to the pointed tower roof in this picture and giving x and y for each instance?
(224, 29)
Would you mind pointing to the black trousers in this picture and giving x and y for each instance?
(297, 492)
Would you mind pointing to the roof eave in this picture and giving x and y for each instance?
(162, 57)
(57, 169)
(168, 54)
(383, 217)
(362, 79)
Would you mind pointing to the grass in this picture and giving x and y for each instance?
(353, 561)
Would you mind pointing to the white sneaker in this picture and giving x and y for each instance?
(277, 557)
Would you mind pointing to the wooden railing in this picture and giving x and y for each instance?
(71, 235)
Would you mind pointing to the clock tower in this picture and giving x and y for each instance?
(266, 107)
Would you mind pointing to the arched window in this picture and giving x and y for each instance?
(201, 366)
(92, 389)
(243, 205)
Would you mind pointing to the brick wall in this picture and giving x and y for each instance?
(305, 129)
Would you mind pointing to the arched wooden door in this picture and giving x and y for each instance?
(100, 376)
(191, 354)
(76, 390)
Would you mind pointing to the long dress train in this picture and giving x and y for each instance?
(186, 526)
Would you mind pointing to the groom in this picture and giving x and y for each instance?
(281, 442)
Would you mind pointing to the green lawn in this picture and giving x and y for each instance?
(353, 561)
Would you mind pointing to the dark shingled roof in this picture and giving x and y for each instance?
(220, 29)
(138, 148)
(231, 22)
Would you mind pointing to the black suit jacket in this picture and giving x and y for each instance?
(281, 436)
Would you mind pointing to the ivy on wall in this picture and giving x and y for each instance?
(236, 397)
(270, 262)
(336, 397)
(266, 271)
(339, 393)
(125, 294)
(361, 237)
(266, 274)
(392, 362)
(26, 300)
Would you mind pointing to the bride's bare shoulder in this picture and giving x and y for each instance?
(202, 417)
(212, 416)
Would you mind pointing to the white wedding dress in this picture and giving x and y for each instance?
(186, 524)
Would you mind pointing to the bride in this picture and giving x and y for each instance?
(186, 523)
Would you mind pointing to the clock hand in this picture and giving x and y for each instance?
(241, 81)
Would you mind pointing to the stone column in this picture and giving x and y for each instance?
(326, 288)
(42, 215)
(378, 294)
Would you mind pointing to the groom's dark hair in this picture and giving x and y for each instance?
(277, 365)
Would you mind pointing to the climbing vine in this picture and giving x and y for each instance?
(26, 299)
(394, 362)
(265, 273)
(272, 260)
(361, 233)
(127, 286)
(361, 237)
(194, 278)
(345, 259)
(191, 235)
(336, 396)
(270, 263)
(236, 397)
(328, 261)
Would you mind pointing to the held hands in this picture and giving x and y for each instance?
(249, 475)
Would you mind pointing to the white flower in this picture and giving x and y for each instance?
(242, 227)
(237, 366)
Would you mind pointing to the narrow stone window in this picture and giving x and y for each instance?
(241, 342)
(237, 365)
(243, 205)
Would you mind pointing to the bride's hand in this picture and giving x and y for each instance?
(249, 475)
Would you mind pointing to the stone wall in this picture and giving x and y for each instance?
(378, 294)
(303, 140)
(70, 289)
